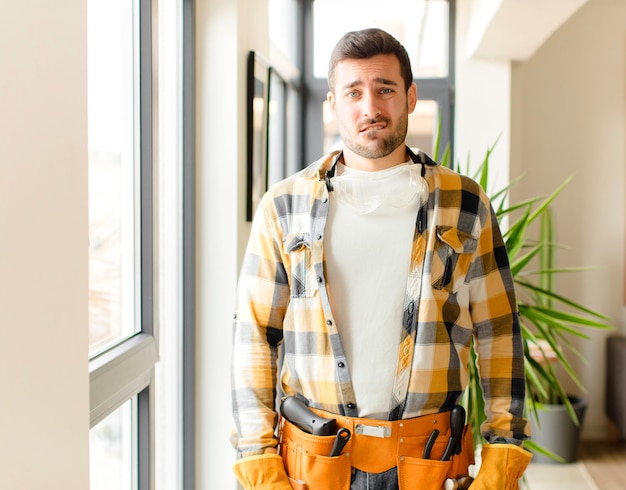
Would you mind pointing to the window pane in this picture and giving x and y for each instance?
(420, 25)
(277, 143)
(113, 163)
(283, 24)
(423, 126)
(421, 131)
(111, 448)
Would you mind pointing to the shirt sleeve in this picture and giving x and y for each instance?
(261, 301)
(497, 337)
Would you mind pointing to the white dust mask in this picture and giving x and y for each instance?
(363, 192)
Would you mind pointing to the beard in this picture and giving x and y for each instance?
(376, 146)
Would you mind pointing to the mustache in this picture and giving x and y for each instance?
(372, 121)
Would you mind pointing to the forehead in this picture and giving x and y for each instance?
(352, 71)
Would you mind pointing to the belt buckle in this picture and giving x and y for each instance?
(380, 431)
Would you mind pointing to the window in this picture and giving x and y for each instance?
(420, 25)
(141, 295)
(424, 27)
(113, 172)
(112, 445)
(123, 348)
(284, 89)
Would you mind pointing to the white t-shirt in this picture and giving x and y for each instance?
(367, 258)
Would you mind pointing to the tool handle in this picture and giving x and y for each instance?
(342, 438)
(448, 453)
(461, 483)
(429, 443)
(457, 424)
(296, 412)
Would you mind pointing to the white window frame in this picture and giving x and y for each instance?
(126, 370)
(157, 365)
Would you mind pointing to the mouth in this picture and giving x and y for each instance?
(373, 127)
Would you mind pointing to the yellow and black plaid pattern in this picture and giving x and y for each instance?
(459, 287)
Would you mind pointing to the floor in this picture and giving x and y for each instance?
(574, 476)
(600, 466)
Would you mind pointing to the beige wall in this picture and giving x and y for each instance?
(225, 31)
(44, 384)
(569, 117)
(483, 110)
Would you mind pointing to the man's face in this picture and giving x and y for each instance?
(371, 105)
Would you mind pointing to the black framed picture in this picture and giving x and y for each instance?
(277, 128)
(257, 130)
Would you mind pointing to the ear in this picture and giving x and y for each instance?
(412, 97)
(330, 97)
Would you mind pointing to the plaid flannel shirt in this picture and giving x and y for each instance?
(459, 286)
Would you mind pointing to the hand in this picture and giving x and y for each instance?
(501, 468)
(262, 472)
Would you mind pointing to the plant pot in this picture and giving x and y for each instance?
(557, 432)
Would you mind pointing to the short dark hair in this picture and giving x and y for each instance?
(366, 44)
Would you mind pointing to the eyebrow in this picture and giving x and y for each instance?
(380, 80)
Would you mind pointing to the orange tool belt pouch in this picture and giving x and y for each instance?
(374, 446)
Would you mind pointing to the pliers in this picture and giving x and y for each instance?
(457, 422)
(429, 443)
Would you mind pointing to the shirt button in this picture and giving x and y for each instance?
(350, 405)
(329, 322)
(319, 237)
(341, 364)
(319, 279)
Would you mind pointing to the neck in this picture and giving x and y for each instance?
(353, 160)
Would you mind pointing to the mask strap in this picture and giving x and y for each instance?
(331, 172)
(421, 214)
(416, 159)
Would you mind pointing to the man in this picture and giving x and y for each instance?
(366, 277)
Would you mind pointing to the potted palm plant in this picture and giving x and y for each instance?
(548, 321)
(558, 415)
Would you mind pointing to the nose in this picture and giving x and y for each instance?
(371, 106)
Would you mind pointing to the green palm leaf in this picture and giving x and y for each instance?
(540, 318)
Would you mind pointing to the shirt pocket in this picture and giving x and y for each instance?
(302, 276)
(451, 258)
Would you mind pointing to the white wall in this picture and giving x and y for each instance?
(225, 31)
(569, 117)
(482, 112)
(44, 390)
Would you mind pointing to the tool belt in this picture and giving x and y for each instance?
(374, 446)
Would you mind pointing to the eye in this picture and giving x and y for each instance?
(386, 90)
(352, 94)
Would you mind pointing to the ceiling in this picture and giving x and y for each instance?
(515, 29)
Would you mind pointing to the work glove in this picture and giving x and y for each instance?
(262, 472)
(501, 468)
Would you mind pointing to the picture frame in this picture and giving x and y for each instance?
(277, 127)
(257, 130)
